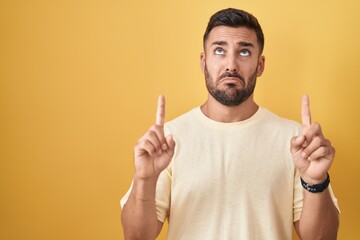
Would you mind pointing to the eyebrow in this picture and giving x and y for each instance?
(246, 44)
(242, 44)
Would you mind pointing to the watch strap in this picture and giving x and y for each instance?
(316, 188)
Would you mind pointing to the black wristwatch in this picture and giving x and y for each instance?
(316, 188)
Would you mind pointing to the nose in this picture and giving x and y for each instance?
(231, 64)
(231, 69)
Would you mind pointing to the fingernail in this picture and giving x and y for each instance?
(160, 152)
(303, 154)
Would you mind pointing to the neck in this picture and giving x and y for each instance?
(227, 114)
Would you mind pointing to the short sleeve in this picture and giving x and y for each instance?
(298, 197)
(163, 194)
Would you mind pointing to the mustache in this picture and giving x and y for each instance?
(232, 75)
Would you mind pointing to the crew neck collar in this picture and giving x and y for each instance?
(210, 122)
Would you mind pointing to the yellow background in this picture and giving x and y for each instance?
(79, 82)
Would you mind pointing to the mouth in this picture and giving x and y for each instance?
(231, 80)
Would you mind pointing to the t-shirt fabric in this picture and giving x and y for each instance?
(230, 180)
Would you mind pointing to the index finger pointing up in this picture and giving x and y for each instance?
(305, 112)
(160, 112)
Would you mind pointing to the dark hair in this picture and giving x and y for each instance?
(235, 18)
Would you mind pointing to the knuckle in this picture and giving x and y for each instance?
(153, 128)
(306, 152)
(323, 151)
(317, 140)
(140, 142)
(316, 125)
(156, 129)
(316, 128)
(149, 146)
(150, 134)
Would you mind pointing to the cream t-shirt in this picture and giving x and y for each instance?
(230, 180)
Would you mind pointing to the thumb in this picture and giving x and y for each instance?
(171, 145)
(297, 143)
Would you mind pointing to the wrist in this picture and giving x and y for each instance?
(145, 181)
(312, 180)
(144, 190)
(318, 187)
(145, 175)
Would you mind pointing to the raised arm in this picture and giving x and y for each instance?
(313, 155)
(152, 154)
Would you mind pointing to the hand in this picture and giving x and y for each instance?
(153, 151)
(312, 153)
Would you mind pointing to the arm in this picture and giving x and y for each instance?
(152, 154)
(319, 217)
(313, 156)
(139, 217)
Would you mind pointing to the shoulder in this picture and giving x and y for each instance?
(188, 121)
(183, 119)
(275, 121)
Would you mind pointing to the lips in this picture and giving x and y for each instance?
(231, 80)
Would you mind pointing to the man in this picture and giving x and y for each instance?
(230, 169)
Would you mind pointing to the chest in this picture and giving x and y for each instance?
(213, 163)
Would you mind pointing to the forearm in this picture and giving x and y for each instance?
(319, 218)
(139, 217)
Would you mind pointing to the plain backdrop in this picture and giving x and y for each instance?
(79, 81)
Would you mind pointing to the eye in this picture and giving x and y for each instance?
(219, 51)
(244, 53)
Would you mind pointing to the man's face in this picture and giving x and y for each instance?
(231, 64)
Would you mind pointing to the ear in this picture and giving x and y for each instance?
(261, 66)
(202, 61)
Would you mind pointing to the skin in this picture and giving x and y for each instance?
(234, 51)
(225, 53)
(313, 155)
(152, 154)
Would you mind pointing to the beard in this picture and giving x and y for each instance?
(231, 95)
